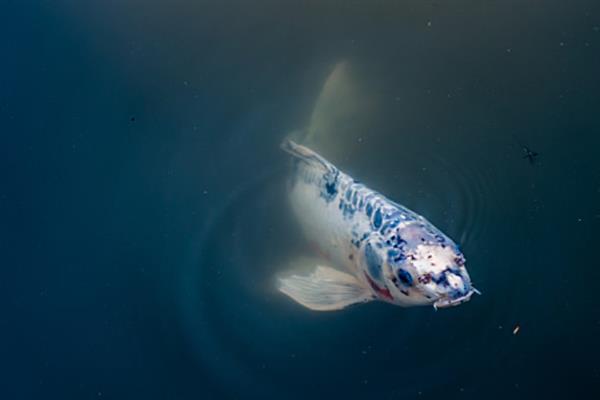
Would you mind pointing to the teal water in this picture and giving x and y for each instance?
(143, 211)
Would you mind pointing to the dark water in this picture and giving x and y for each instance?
(143, 213)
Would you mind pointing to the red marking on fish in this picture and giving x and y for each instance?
(425, 279)
(314, 246)
(383, 292)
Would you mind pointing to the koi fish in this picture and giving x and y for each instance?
(373, 248)
(378, 249)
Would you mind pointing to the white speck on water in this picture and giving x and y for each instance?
(561, 44)
(429, 24)
(509, 50)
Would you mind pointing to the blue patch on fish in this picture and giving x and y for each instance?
(330, 185)
(373, 262)
(377, 219)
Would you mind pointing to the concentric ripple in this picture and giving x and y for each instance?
(251, 338)
(221, 283)
(466, 195)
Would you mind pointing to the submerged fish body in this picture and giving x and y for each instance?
(379, 250)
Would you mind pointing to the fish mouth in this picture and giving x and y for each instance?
(448, 301)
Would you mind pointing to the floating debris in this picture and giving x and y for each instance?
(530, 155)
(516, 330)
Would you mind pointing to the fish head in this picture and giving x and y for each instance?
(442, 275)
(428, 268)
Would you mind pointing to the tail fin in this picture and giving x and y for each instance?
(335, 100)
(340, 116)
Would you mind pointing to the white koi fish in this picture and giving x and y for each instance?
(382, 250)
(374, 249)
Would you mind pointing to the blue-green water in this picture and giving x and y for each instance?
(143, 211)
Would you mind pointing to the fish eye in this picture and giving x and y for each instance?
(405, 277)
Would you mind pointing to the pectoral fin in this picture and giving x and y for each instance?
(325, 289)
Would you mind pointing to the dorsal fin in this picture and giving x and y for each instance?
(307, 155)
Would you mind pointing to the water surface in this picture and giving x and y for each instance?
(143, 200)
